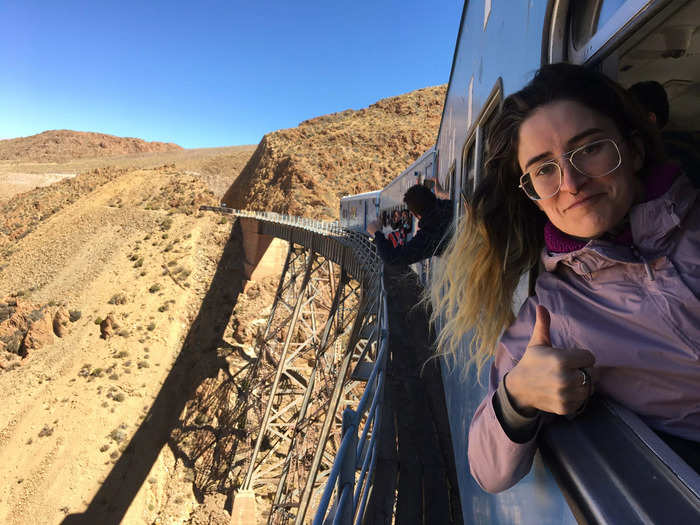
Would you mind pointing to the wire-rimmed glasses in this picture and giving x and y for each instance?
(594, 159)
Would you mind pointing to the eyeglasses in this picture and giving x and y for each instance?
(595, 159)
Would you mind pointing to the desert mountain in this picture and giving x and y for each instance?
(125, 317)
(305, 170)
(62, 144)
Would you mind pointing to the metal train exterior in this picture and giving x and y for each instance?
(500, 45)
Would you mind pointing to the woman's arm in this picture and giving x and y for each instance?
(496, 461)
(542, 379)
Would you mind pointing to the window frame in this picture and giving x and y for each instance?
(558, 35)
(474, 142)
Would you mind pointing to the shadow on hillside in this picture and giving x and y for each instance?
(197, 361)
(208, 437)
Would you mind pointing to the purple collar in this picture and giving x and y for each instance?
(657, 183)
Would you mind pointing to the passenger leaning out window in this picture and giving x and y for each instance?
(576, 179)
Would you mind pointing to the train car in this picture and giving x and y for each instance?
(356, 211)
(393, 211)
(387, 204)
(583, 472)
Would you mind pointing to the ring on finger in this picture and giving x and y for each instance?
(585, 376)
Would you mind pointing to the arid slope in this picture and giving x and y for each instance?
(126, 243)
(124, 238)
(63, 144)
(305, 170)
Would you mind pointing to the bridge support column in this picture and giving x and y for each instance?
(263, 254)
(244, 511)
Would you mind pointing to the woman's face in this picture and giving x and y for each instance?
(584, 207)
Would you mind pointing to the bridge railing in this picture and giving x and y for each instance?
(353, 468)
(365, 264)
(352, 472)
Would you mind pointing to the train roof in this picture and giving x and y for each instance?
(360, 196)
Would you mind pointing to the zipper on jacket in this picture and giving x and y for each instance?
(650, 273)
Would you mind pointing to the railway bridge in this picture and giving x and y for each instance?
(336, 384)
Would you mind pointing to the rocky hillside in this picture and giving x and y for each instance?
(305, 170)
(62, 144)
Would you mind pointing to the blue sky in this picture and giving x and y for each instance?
(203, 73)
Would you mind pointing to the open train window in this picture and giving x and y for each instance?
(669, 53)
(637, 42)
(597, 27)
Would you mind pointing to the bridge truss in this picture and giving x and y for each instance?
(322, 348)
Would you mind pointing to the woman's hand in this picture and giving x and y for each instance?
(546, 378)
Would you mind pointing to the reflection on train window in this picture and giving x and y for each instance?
(468, 175)
(450, 187)
(397, 225)
(589, 16)
(486, 127)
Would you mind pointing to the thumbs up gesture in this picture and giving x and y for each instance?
(546, 378)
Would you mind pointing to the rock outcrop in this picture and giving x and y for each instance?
(108, 327)
(61, 321)
(305, 170)
(24, 326)
(39, 334)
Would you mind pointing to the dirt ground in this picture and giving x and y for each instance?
(13, 183)
(71, 409)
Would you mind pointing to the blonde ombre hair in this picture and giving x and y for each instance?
(501, 237)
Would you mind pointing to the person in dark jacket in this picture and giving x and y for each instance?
(680, 145)
(434, 218)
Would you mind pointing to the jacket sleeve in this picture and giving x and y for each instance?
(496, 461)
(413, 251)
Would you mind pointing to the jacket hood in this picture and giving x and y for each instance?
(651, 223)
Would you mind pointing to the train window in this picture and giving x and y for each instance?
(473, 150)
(587, 17)
(451, 176)
(669, 54)
(596, 26)
(485, 128)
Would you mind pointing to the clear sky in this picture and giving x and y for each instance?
(205, 73)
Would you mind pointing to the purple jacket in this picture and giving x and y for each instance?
(636, 307)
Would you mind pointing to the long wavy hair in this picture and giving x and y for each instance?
(501, 236)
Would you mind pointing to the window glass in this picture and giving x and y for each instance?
(589, 16)
(485, 128)
(609, 8)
